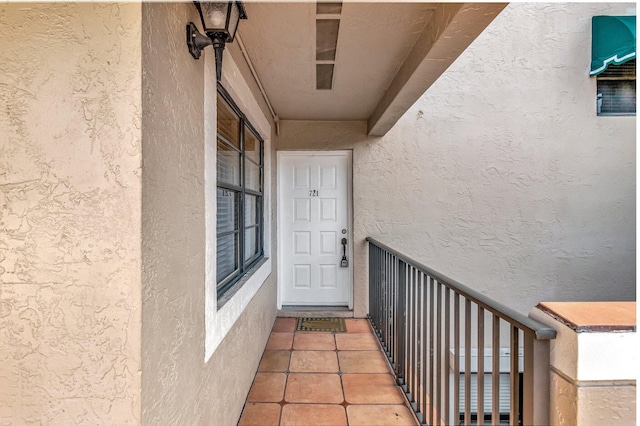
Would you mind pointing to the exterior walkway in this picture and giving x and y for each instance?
(313, 378)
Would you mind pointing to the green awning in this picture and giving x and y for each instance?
(613, 41)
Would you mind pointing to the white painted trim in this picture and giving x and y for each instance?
(591, 356)
(349, 154)
(607, 356)
(219, 322)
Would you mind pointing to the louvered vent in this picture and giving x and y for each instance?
(327, 28)
(504, 382)
(324, 76)
(328, 8)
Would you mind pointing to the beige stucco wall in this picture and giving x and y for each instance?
(181, 382)
(102, 172)
(70, 213)
(501, 176)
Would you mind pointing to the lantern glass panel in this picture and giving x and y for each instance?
(215, 16)
(234, 18)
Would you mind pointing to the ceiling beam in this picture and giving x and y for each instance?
(451, 29)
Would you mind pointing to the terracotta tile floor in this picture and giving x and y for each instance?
(333, 379)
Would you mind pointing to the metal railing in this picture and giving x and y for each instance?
(459, 356)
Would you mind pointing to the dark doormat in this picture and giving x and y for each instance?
(336, 325)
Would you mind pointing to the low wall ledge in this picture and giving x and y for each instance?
(592, 317)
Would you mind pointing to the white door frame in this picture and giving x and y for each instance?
(349, 154)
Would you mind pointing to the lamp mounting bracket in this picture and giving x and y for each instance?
(196, 41)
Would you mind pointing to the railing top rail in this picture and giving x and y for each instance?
(540, 331)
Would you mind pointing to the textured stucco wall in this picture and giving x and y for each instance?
(180, 385)
(70, 213)
(501, 176)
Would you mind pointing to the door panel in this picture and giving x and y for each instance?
(314, 211)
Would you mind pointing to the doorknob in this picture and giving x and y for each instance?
(344, 263)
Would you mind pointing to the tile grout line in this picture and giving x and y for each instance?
(337, 351)
(286, 382)
(344, 396)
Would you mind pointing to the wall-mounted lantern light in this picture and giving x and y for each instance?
(220, 22)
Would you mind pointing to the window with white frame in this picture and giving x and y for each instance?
(240, 197)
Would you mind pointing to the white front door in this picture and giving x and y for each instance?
(314, 210)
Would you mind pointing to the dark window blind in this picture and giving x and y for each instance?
(240, 174)
(617, 89)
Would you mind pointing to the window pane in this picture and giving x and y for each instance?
(617, 89)
(250, 242)
(227, 210)
(228, 164)
(618, 96)
(252, 176)
(251, 207)
(227, 256)
(252, 146)
(228, 123)
(239, 168)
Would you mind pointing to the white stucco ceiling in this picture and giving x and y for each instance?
(373, 41)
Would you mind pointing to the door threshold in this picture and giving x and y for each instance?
(315, 311)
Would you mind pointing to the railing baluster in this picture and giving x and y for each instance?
(432, 370)
(418, 366)
(386, 314)
(419, 346)
(467, 362)
(394, 304)
(380, 303)
(440, 372)
(373, 282)
(391, 273)
(372, 261)
(456, 360)
(394, 316)
(414, 328)
(380, 290)
(405, 327)
(383, 301)
(378, 287)
(412, 336)
(425, 348)
(416, 335)
(416, 349)
(447, 352)
(527, 380)
(393, 277)
(480, 376)
(514, 376)
(495, 372)
(401, 320)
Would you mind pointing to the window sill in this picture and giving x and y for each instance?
(219, 321)
(617, 114)
(228, 295)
